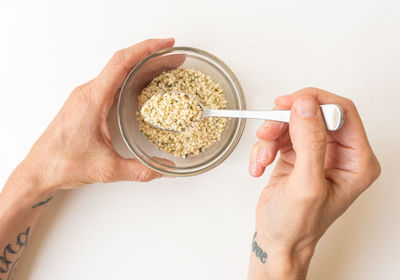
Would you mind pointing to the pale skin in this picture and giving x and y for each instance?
(317, 176)
(303, 197)
(75, 150)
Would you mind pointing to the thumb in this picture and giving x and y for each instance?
(134, 170)
(308, 135)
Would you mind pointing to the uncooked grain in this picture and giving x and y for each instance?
(172, 111)
(197, 139)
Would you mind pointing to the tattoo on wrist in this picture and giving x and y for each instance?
(260, 253)
(42, 202)
(8, 251)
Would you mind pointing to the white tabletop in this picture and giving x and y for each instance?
(201, 227)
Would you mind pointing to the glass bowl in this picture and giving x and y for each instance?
(147, 152)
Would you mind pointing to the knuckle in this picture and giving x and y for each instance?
(145, 175)
(310, 91)
(118, 57)
(105, 172)
(102, 175)
(350, 103)
(378, 169)
(259, 144)
(316, 141)
(83, 92)
(80, 89)
(374, 168)
(311, 191)
(369, 172)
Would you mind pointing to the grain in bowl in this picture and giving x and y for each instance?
(193, 140)
(172, 111)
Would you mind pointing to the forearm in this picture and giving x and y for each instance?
(22, 200)
(268, 262)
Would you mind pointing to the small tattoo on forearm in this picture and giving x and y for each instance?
(260, 253)
(5, 261)
(12, 270)
(42, 202)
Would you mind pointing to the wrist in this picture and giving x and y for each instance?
(292, 265)
(28, 185)
(281, 262)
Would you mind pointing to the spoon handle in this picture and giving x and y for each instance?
(333, 115)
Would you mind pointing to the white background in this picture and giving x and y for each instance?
(201, 227)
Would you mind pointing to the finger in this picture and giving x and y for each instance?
(254, 169)
(158, 65)
(352, 133)
(271, 130)
(266, 152)
(116, 70)
(308, 135)
(151, 70)
(263, 154)
(286, 152)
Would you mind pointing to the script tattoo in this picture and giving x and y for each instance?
(12, 270)
(5, 261)
(42, 202)
(260, 253)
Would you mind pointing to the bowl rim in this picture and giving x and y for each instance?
(231, 146)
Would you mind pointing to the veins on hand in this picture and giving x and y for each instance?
(260, 253)
(9, 251)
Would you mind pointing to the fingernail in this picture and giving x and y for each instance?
(306, 108)
(262, 155)
(254, 169)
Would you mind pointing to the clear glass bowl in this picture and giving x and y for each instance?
(142, 74)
